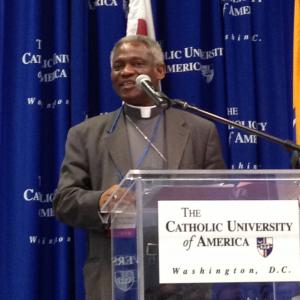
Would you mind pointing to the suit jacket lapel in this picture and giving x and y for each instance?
(118, 145)
(176, 136)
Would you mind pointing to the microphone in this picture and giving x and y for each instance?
(144, 83)
(161, 100)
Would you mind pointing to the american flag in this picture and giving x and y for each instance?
(140, 19)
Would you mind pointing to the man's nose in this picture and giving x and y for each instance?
(128, 69)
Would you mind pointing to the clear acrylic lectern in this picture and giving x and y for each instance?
(209, 235)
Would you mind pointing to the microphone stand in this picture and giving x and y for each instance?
(288, 145)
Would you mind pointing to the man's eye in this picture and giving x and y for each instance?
(116, 67)
(139, 63)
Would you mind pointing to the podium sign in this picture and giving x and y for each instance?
(210, 235)
(228, 241)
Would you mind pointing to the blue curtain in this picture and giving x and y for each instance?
(233, 58)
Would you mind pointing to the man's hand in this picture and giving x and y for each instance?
(128, 197)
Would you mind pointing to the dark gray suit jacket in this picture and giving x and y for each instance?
(97, 154)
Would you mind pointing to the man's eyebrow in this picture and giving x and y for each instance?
(130, 58)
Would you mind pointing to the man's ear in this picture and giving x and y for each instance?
(160, 71)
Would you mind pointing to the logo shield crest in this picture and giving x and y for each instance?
(264, 245)
(124, 279)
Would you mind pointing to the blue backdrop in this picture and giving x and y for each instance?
(233, 58)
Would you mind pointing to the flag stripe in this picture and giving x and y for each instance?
(142, 27)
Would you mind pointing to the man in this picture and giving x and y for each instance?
(139, 135)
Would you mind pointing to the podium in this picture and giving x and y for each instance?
(205, 234)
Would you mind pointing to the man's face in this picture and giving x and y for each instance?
(130, 60)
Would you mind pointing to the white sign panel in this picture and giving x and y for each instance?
(228, 241)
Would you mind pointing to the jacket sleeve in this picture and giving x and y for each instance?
(213, 154)
(75, 203)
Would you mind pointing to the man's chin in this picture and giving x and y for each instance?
(137, 102)
(137, 99)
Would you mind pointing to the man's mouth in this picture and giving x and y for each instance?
(128, 84)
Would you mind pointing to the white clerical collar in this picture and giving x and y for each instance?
(145, 111)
